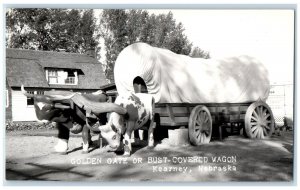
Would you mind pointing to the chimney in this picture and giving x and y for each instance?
(91, 53)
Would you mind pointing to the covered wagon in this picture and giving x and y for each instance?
(198, 93)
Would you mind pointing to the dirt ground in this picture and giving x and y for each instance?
(29, 156)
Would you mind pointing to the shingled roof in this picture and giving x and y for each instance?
(27, 67)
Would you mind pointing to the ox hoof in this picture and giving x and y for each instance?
(126, 154)
(150, 147)
(84, 152)
(61, 147)
(76, 129)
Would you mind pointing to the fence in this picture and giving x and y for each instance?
(281, 102)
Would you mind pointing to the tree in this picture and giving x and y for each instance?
(87, 29)
(199, 53)
(27, 28)
(120, 28)
(177, 41)
(51, 29)
(114, 31)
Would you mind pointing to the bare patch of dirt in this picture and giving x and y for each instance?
(29, 156)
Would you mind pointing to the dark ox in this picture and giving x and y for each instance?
(66, 109)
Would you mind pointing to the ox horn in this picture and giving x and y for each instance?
(103, 107)
(60, 97)
(26, 93)
(97, 107)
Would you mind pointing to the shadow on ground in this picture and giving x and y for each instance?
(30, 158)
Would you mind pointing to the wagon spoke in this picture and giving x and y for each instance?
(264, 112)
(199, 121)
(253, 123)
(260, 110)
(254, 118)
(205, 117)
(254, 129)
(199, 117)
(267, 127)
(206, 132)
(265, 131)
(198, 124)
(199, 138)
(258, 132)
(256, 111)
(266, 123)
(266, 116)
(202, 116)
(255, 114)
(255, 132)
(197, 133)
(262, 133)
(204, 137)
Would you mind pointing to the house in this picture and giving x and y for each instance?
(41, 71)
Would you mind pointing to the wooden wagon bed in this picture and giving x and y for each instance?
(255, 117)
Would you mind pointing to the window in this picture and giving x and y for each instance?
(53, 76)
(71, 78)
(30, 101)
(62, 76)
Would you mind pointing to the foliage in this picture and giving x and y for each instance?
(51, 29)
(120, 28)
(113, 30)
(199, 53)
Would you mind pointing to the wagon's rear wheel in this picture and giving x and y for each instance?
(200, 125)
(259, 121)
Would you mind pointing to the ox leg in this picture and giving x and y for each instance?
(127, 143)
(86, 137)
(141, 134)
(150, 134)
(63, 138)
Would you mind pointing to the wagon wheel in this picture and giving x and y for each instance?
(259, 121)
(200, 125)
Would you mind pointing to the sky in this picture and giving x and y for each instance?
(267, 35)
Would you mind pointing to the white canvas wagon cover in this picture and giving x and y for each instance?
(174, 78)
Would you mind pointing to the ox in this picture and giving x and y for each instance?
(139, 110)
(65, 110)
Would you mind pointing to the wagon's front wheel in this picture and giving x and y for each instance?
(259, 120)
(200, 125)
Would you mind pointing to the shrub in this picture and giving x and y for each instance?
(18, 126)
